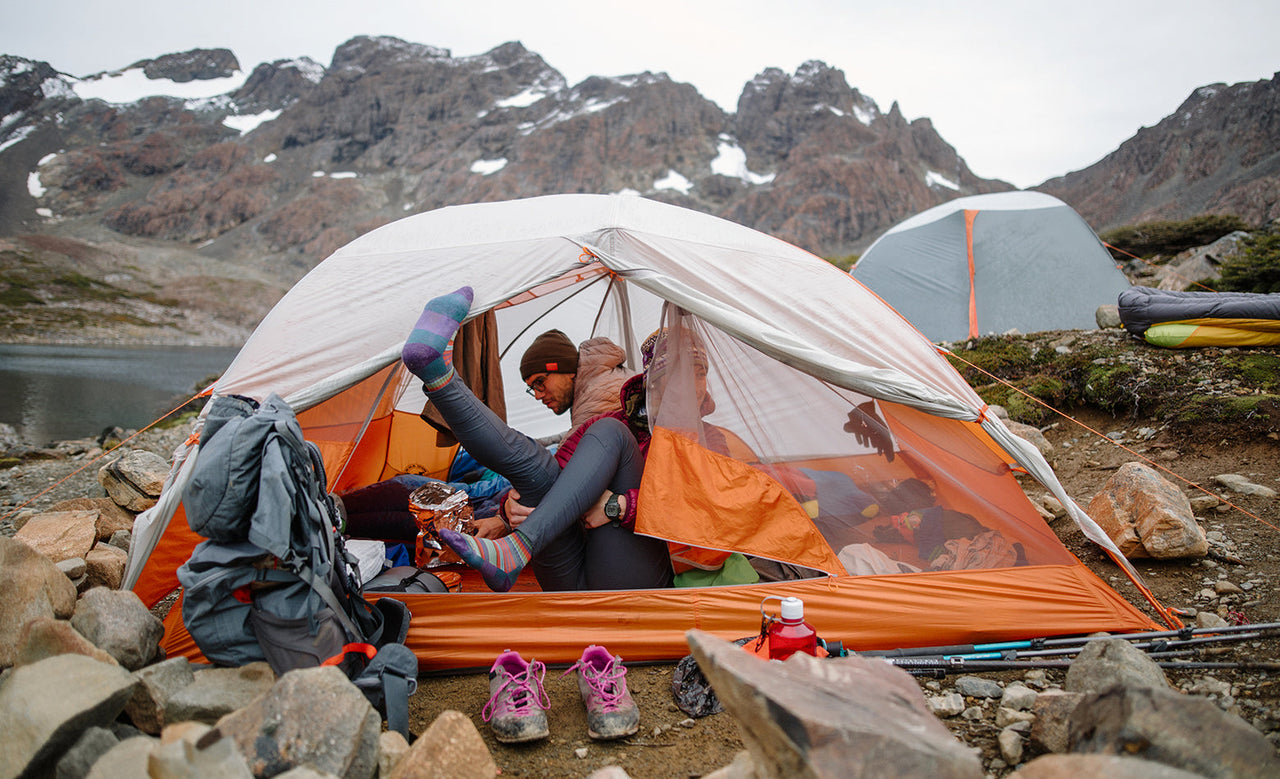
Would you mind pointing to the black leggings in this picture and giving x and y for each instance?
(565, 555)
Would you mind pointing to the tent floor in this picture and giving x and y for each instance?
(471, 581)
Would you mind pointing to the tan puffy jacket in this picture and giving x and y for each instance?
(598, 385)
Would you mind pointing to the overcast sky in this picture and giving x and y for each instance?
(1024, 90)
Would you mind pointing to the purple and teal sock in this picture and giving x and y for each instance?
(424, 351)
(499, 560)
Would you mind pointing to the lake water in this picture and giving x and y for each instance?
(51, 392)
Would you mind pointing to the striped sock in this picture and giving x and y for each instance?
(424, 350)
(499, 561)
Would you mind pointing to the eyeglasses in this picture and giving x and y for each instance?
(537, 385)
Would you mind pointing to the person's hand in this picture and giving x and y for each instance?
(516, 512)
(870, 430)
(595, 517)
(489, 527)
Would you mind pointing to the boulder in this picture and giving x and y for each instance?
(1103, 664)
(117, 622)
(978, 687)
(1107, 316)
(46, 706)
(111, 515)
(1187, 732)
(1239, 484)
(1051, 729)
(193, 754)
(33, 587)
(74, 567)
(1033, 436)
(128, 758)
(104, 566)
(134, 481)
(1147, 516)
(312, 716)
(1019, 697)
(392, 748)
(60, 535)
(79, 759)
(450, 747)
(216, 692)
(45, 637)
(1110, 766)
(121, 539)
(158, 684)
(1198, 263)
(845, 717)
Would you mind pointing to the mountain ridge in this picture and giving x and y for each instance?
(257, 183)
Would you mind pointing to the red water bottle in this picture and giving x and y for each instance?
(790, 633)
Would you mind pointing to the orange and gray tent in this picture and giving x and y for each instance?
(1181, 320)
(810, 372)
(988, 264)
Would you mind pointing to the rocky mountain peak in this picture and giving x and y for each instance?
(373, 52)
(275, 85)
(24, 83)
(1217, 153)
(296, 160)
(193, 65)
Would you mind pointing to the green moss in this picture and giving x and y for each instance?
(1025, 410)
(1231, 409)
(18, 294)
(1258, 369)
(177, 420)
(1106, 384)
(1000, 356)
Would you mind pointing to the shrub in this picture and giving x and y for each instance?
(1169, 238)
(1256, 268)
(845, 262)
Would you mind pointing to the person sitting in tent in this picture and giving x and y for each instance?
(582, 380)
(598, 457)
(585, 381)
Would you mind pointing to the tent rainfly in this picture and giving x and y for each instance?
(802, 357)
(993, 263)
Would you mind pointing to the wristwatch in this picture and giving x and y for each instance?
(613, 511)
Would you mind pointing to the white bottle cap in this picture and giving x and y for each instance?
(792, 609)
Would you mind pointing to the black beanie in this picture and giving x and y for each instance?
(551, 352)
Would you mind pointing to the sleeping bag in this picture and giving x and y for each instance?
(1178, 320)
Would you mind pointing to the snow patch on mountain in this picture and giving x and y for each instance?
(731, 161)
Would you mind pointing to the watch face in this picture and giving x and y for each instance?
(611, 508)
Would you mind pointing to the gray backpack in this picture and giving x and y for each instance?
(273, 581)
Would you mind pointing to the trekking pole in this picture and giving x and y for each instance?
(1157, 645)
(1182, 634)
(937, 667)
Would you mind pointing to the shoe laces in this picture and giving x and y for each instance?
(523, 691)
(609, 684)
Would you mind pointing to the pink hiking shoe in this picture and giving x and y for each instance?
(517, 702)
(610, 711)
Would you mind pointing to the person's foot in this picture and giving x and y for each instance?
(424, 350)
(517, 702)
(611, 713)
(499, 560)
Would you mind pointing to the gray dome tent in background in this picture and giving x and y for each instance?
(993, 263)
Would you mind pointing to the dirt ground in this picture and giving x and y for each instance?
(1246, 551)
(671, 745)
